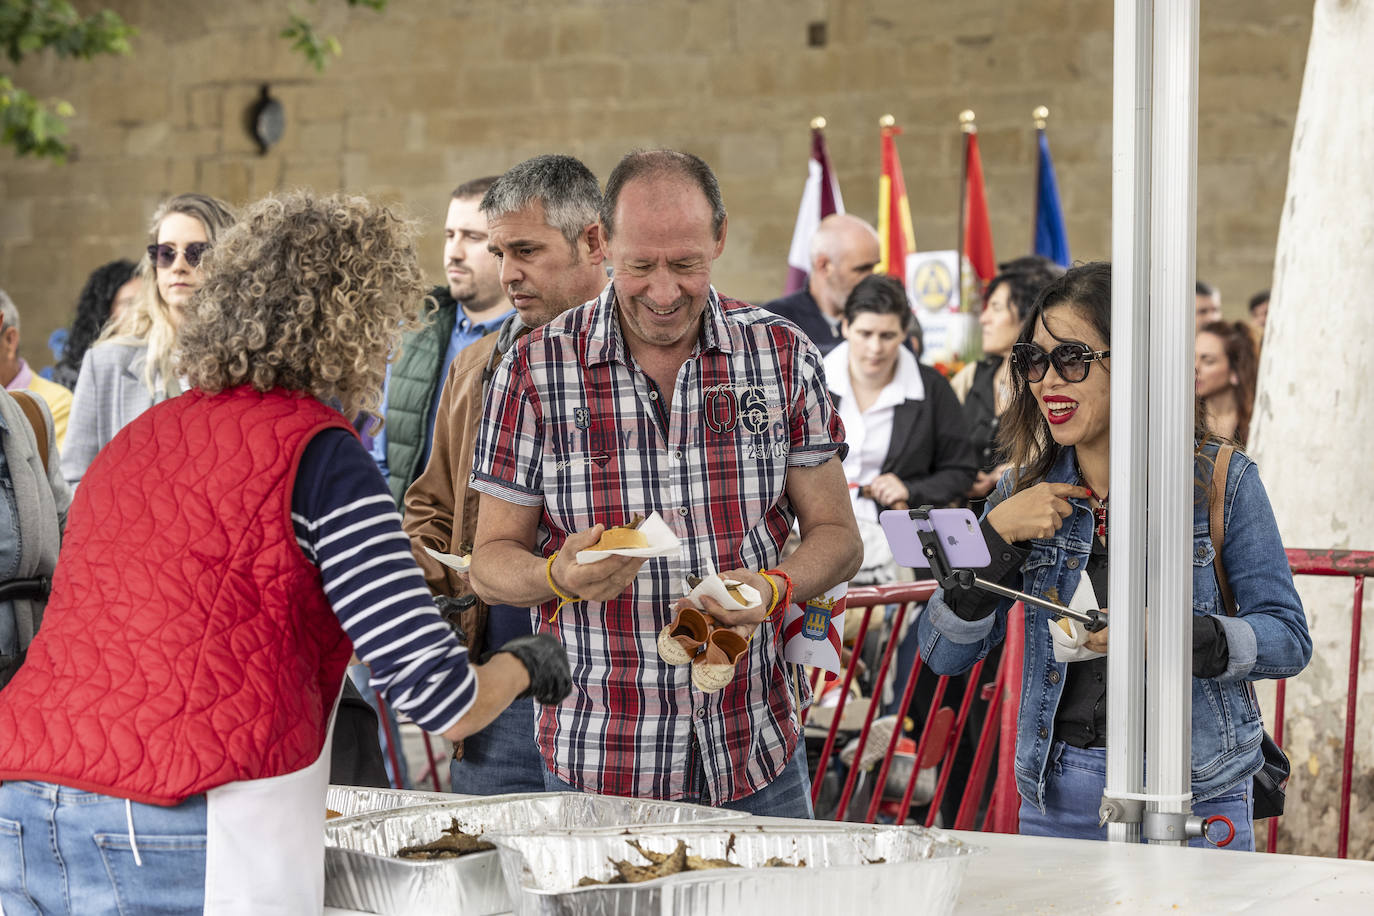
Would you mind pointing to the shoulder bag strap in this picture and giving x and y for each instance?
(1216, 505)
(34, 414)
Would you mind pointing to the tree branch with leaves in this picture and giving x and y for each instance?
(38, 127)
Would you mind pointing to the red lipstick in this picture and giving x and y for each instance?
(1059, 409)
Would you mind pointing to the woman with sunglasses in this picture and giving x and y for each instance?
(1046, 527)
(129, 368)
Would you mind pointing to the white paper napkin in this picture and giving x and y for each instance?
(713, 586)
(461, 564)
(1068, 647)
(662, 543)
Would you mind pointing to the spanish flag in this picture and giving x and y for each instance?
(895, 236)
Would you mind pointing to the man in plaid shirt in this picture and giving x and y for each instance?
(663, 396)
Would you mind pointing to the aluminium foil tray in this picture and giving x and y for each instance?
(361, 872)
(876, 869)
(351, 800)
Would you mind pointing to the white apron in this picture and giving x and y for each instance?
(264, 841)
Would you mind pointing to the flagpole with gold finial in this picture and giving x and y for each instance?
(798, 672)
(885, 126)
(1041, 116)
(967, 126)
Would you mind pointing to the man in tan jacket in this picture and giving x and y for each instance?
(542, 228)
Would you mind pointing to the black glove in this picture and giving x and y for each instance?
(547, 663)
(451, 609)
(1211, 651)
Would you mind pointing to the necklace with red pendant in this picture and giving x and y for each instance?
(1099, 511)
(1100, 515)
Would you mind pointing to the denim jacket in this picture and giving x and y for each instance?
(1267, 638)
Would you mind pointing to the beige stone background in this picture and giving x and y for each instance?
(428, 94)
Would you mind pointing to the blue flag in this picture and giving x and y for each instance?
(1051, 241)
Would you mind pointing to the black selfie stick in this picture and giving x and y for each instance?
(948, 577)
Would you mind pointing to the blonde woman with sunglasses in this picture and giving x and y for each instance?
(129, 368)
(1046, 527)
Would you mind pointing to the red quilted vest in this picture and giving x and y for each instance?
(188, 642)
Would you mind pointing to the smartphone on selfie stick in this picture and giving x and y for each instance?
(919, 538)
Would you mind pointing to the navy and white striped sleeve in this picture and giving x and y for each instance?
(348, 526)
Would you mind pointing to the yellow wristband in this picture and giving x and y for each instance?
(563, 597)
(773, 604)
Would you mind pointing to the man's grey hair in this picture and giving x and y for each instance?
(565, 187)
(8, 312)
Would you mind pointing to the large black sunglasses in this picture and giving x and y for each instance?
(165, 255)
(1070, 360)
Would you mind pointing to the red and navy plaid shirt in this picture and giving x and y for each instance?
(574, 426)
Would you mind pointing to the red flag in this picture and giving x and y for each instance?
(895, 236)
(977, 230)
(820, 198)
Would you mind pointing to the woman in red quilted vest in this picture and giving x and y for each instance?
(165, 746)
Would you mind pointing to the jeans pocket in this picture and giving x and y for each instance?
(171, 878)
(14, 894)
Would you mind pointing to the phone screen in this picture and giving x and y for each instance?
(957, 529)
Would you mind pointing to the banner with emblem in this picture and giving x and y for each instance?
(812, 634)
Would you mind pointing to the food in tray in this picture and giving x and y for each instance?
(454, 842)
(623, 537)
(330, 814)
(662, 864)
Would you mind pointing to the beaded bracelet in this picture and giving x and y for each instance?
(563, 597)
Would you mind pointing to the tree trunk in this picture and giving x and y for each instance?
(1314, 414)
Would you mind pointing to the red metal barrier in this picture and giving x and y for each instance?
(942, 727)
(435, 760)
(1356, 564)
(1003, 697)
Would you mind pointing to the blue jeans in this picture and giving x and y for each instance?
(1073, 793)
(789, 795)
(502, 757)
(67, 851)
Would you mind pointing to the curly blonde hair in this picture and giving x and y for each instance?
(308, 294)
(151, 322)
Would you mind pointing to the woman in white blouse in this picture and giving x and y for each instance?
(908, 443)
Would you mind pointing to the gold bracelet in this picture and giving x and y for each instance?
(563, 597)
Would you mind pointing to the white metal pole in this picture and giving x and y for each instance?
(1131, 104)
(1173, 211)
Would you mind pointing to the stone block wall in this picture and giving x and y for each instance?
(430, 93)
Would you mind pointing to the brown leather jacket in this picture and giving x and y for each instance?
(440, 508)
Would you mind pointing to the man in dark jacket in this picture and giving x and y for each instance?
(471, 306)
(844, 250)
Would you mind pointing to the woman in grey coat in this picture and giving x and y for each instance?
(129, 369)
(33, 511)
